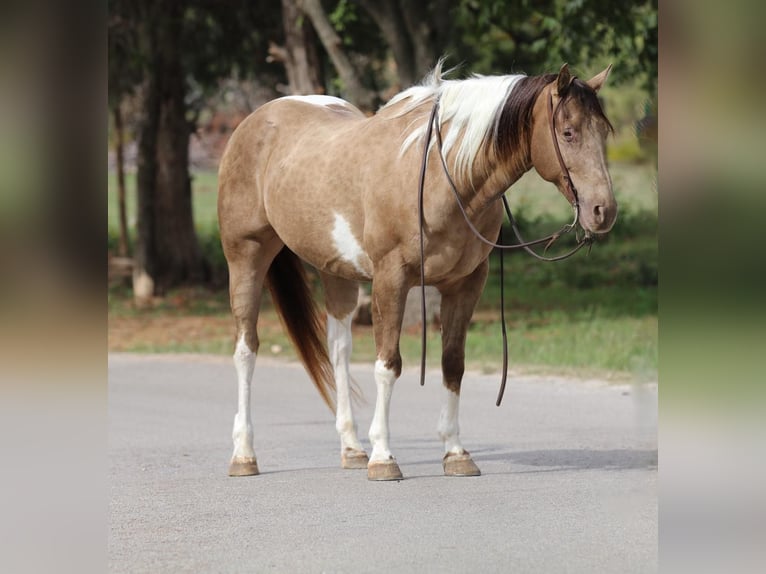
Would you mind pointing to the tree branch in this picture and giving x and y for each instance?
(353, 88)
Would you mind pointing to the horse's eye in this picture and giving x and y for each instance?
(568, 135)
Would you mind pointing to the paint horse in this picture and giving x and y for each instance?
(311, 178)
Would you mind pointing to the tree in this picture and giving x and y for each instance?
(525, 36)
(167, 251)
(503, 36)
(123, 76)
(357, 94)
(181, 50)
(415, 31)
(299, 53)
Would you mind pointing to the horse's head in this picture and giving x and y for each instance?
(581, 129)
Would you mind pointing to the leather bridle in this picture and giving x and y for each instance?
(570, 192)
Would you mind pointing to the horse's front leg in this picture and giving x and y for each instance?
(458, 302)
(389, 292)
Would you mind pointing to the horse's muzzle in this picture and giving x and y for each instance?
(599, 218)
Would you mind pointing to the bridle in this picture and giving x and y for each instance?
(570, 193)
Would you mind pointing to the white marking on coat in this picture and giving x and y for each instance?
(379, 433)
(449, 429)
(242, 433)
(347, 245)
(339, 347)
(319, 100)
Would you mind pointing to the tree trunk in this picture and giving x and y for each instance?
(422, 34)
(415, 32)
(353, 89)
(299, 53)
(119, 152)
(167, 252)
(388, 18)
(145, 251)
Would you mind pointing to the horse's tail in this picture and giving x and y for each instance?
(296, 307)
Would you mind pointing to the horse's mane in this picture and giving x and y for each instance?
(470, 106)
(486, 111)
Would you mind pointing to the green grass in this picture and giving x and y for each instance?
(204, 198)
(590, 341)
(591, 315)
(634, 185)
(615, 348)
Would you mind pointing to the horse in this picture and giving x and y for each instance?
(313, 179)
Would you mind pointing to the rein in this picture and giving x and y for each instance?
(570, 193)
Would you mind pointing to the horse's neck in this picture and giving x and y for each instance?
(490, 181)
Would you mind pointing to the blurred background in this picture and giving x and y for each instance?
(182, 75)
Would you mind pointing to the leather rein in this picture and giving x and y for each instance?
(570, 193)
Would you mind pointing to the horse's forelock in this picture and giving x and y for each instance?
(514, 124)
(588, 99)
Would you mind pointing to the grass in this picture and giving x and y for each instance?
(204, 198)
(590, 342)
(593, 315)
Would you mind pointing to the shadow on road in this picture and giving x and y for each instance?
(575, 459)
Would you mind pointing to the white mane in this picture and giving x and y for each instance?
(472, 106)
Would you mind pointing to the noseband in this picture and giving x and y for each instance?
(570, 193)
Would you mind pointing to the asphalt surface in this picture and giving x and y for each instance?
(569, 476)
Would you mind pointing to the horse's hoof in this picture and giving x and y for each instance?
(384, 470)
(243, 466)
(351, 458)
(460, 465)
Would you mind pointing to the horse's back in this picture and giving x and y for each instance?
(322, 102)
(291, 116)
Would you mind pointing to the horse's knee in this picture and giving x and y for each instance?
(247, 347)
(388, 370)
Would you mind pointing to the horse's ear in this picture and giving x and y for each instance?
(599, 79)
(563, 81)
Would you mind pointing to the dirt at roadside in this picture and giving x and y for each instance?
(128, 333)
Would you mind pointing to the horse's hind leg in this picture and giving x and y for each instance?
(341, 297)
(458, 302)
(248, 261)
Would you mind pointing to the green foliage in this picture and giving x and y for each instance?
(343, 18)
(626, 261)
(218, 39)
(627, 150)
(209, 239)
(535, 36)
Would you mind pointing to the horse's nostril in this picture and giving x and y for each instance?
(598, 212)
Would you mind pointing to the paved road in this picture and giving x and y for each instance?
(568, 485)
